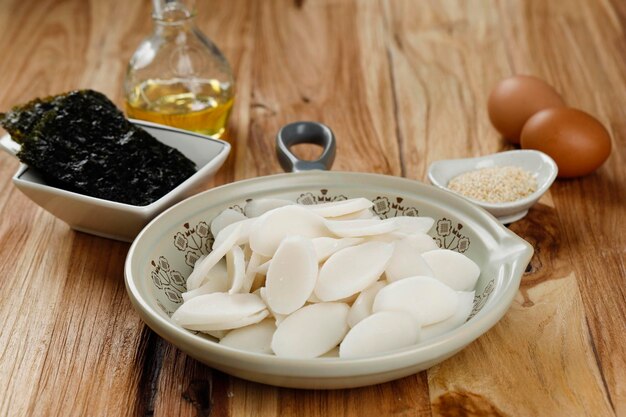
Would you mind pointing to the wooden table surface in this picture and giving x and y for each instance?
(402, 83)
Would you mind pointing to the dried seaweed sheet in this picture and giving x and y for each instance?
(81, 142)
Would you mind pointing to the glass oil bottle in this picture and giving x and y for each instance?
(177, 76)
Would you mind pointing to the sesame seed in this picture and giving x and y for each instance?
(495, 185)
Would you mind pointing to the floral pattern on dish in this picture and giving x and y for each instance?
(195, 241)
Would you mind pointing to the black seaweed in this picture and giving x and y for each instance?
(81, 142)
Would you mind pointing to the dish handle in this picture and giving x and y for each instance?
(305, 132)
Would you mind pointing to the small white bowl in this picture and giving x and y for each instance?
(542, 167)
(118, 220)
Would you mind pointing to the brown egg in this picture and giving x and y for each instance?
(515, 99)
(576, 141)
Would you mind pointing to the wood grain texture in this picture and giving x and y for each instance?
(566, 378)
(402, 84)
(464, 44)
(582, 33)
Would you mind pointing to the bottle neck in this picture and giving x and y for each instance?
(173, 20)
(173, 12)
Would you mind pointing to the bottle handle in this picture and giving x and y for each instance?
(305, 132)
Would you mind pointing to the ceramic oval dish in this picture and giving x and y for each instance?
(538, 163)
(116, 220)
(161, 258)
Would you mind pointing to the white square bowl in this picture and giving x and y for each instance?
(116, 220)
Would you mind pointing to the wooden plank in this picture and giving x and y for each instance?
(70, 334)
(583, 50)
(406, 397)
(186, 387)
(230, 25)
(324, 61)
(461, 52)
(94, 335)
(543, 340)
(182, 385)
(52, 39)
(445, 57)
(402, 84)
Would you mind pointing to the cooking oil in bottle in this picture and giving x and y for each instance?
(177, 76)
(202, 107)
